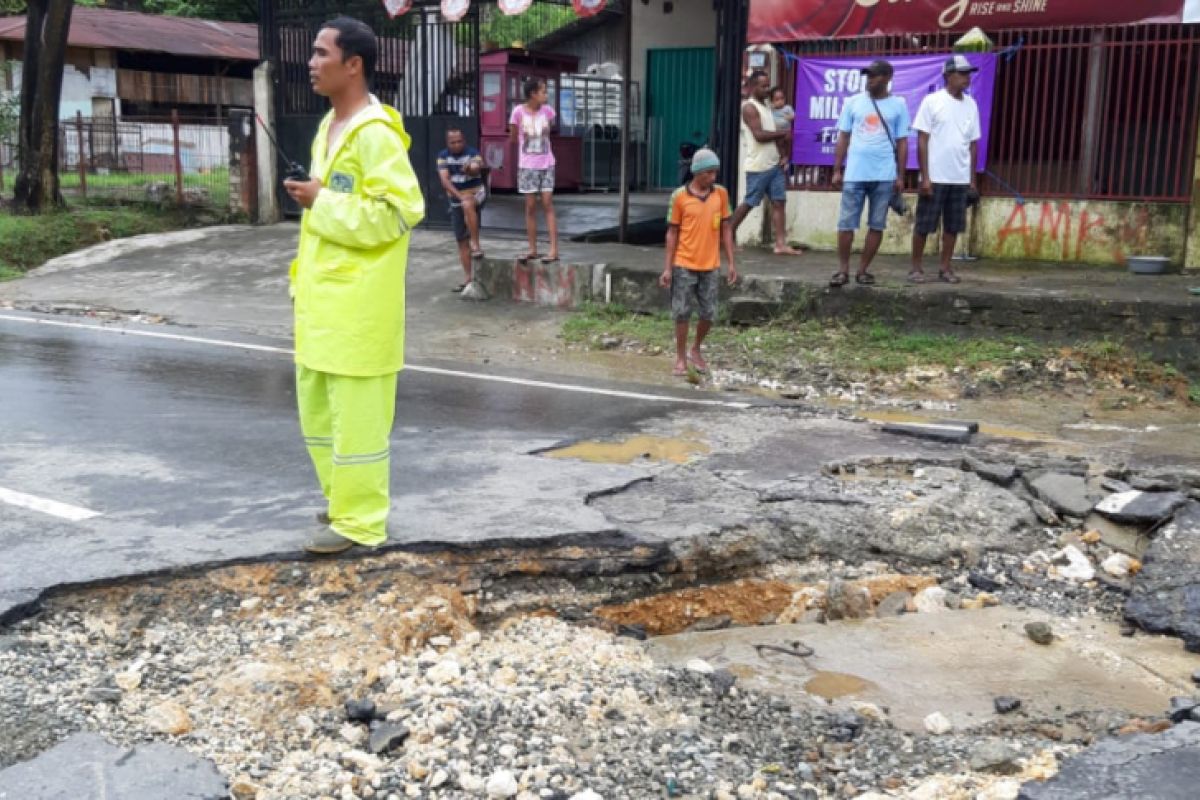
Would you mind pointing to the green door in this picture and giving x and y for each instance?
(679, 106)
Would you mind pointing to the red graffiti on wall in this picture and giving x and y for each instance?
(1066, 226)
(543, 285)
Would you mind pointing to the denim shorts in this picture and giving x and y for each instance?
(855, 194)
(697, 289)
(769, 182)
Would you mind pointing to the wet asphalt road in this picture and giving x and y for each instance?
(191, 454)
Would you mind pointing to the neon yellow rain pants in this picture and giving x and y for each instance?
(346, 423)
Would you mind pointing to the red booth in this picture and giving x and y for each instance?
(502, 76)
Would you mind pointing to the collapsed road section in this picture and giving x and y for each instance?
(788, 604)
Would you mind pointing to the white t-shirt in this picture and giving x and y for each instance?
(952, 125)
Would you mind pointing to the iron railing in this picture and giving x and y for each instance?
(1093, 113)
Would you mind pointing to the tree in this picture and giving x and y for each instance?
(47, 24)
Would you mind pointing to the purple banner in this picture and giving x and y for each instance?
(824, 84)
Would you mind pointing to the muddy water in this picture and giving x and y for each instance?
(954, 662)
(677, 450)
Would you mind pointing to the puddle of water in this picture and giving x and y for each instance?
(832, 685)
(677, 450)
(954, 663)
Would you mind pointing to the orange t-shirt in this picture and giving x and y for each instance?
(699, 220)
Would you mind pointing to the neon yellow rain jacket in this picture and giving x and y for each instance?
(348, 277)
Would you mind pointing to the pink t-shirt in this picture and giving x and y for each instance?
(533, 136)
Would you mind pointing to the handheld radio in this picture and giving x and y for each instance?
(294, 170)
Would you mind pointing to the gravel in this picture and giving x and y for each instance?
(277, 694)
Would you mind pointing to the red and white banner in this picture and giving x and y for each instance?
(397, 7)
(792, 20)
(514, 7)
(454, 10)
(588, 8)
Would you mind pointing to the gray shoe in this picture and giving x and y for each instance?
(327, 542)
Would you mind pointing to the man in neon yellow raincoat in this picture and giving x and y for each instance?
(347, 283)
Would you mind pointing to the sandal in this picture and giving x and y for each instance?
(550, 260)
(865, 278)
(477, 254)
(525, 259)
(839, 279)
(946, 276)
(916, 277)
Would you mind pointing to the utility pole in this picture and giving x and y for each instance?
(626, 118)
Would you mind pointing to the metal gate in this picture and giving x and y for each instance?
(427, 69)
(679, 104)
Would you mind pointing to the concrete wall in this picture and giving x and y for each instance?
(79, 86)
(693, 23)
(1065, 231)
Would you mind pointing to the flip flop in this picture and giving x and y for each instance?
(701, 368)
(550, 260)
(525, 259)
(839, 279)
(679, 372)
(865, 278)
(476, 254)
(916, 277)
(948, 277)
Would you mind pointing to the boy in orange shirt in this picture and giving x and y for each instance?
(699, 222)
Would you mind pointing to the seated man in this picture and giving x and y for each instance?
(461, 169)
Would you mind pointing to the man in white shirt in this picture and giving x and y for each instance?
(948, 132)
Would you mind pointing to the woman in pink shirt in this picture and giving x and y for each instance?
(529, 126)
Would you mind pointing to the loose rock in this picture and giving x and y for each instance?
(1067, 494)
(387, 737)
(1039, 632)
(169, 718)
(1136, 507)
(931, 600)
(1005, 704)
(501, 784)
(360, 710)
(937, 724)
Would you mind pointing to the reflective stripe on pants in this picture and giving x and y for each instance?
(347, 422)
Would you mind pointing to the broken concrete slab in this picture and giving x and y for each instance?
(1158, 766)
(1131, 540)
(1066, 494)
(1166, 593)
(999, 474)
(1139, 507)
(949, 433)
(87, 766)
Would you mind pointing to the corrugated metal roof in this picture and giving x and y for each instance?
(129, 30)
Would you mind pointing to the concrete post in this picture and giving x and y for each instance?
(267, 160)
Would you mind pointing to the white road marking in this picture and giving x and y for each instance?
(51, 507)
(478, 376)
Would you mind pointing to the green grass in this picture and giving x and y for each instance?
(870, 346)
(30, 241)
(794, 342)
(131, 186)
